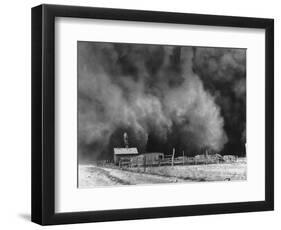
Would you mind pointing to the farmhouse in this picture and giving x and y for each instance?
(124, 153)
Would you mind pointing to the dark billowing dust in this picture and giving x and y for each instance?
(164, 97)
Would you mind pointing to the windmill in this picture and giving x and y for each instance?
(126, 140)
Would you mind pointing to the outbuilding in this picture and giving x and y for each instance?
(124, 153)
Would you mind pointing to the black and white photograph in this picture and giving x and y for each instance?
(143, 113)
(152, 114)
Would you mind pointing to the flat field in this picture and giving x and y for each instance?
(96, 176)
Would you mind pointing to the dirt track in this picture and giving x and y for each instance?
(93, 176)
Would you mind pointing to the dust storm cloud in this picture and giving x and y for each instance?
(164, 97)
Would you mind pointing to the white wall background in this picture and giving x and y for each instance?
(15, 119)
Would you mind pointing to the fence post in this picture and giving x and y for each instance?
(173, 156)
(144, 163)
(182, 157)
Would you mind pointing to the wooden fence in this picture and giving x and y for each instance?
(159, 159)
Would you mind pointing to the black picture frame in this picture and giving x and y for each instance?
(43, 114)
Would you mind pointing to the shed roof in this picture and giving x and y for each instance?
(119, 151)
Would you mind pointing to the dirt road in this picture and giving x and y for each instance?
(93, 176)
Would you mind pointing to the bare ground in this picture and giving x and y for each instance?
(94, 176)
(209, 172)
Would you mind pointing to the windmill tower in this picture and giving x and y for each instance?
(126, 140)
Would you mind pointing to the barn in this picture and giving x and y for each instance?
(147, 159)
(124, 153)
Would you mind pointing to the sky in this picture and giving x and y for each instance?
(192, 99)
